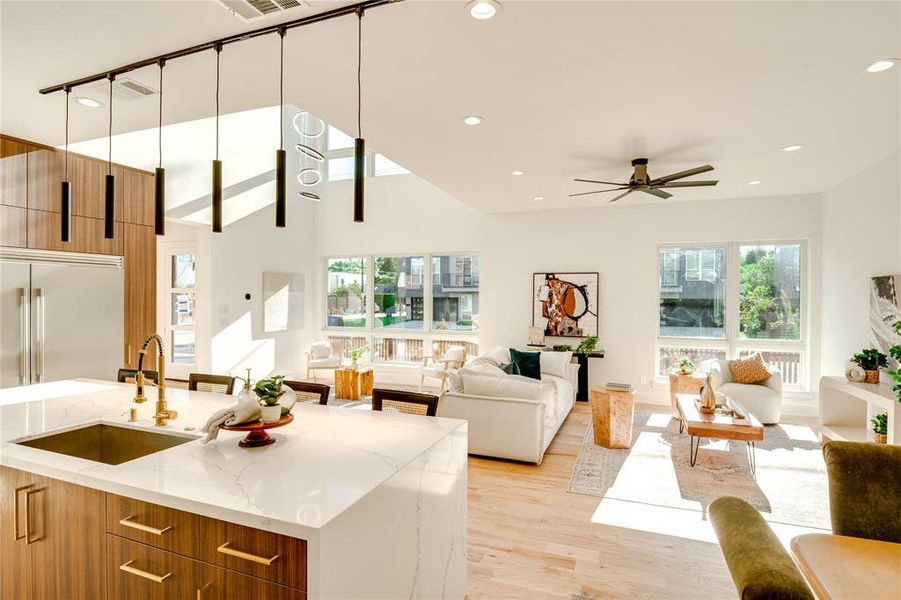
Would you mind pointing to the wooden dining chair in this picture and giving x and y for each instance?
(203, 382)
(412, 403)
(311, 393)
(128, 376)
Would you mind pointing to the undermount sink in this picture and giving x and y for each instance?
(108, 444)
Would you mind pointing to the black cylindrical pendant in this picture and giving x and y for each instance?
(359, 175)
(109, 213)
(281, 189)
(65, 212)
(217, 196)
(159, 203)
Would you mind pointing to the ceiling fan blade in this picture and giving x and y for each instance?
(673, 184)
(599, 191)
(681, 174)
(596, 181)
(623, 195)
(656, 192)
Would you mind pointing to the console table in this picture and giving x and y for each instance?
(582, 359)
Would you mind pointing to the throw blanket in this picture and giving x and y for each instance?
(244, 411)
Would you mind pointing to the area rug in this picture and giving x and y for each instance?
(790, 486)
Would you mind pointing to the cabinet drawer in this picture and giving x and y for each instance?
(142, 572)
(263, 554)
(152, 524)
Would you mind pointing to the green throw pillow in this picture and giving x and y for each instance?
(528, 363)
(510, 368)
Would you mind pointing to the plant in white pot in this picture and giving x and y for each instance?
(270, 391)
(356, 354)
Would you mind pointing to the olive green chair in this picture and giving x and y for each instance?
(757, 561)
(864, 489)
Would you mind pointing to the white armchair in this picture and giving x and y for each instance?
(320, 358)
(763, 399)
(437, 368)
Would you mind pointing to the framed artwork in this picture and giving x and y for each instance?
(885, 311)
(565, 304)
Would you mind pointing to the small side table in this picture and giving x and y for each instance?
(611, 415)
(684, 384)
(350, 383)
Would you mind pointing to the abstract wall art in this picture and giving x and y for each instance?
(565, 304)
(885, 312)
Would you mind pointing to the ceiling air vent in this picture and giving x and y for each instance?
(248, 10)
(125, 89)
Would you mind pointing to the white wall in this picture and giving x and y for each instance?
(861, 231)
(406, 214)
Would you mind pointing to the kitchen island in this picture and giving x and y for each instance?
(362, 504)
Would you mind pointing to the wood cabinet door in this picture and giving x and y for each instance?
(88, 177)
(13, 226)
(13, 173)
(44, 230)
(69, 552)
(140, 291)
(15, 554)
(137, 193)
(45, 173)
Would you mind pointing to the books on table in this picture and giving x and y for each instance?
(619, 387)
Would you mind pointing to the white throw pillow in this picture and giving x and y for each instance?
(483, 368)
(484, 360)
(321, 349)
(511, 386)
(554, 363)
(501, 355)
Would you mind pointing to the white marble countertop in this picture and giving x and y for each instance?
(324, 462)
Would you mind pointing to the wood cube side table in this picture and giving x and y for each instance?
(684, 384)
(350, 383)
(611, 416)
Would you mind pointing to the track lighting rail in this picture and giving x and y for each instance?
(211, 45)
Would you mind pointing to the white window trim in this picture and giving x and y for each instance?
(732, 344)
(165, 251)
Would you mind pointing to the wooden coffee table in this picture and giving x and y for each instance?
(718, 426)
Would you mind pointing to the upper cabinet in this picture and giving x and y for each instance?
(45, 172)
(13, 172)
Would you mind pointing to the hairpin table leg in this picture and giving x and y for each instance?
(693, 458)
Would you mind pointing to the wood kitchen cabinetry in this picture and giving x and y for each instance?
(30, 176)
(61, 540)
(53, 538)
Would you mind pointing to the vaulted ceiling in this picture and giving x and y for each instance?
(566, 89)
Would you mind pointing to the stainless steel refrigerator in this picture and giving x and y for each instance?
(61, 316)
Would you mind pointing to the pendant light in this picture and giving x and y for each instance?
(65, 203)
(159, 204)
(217, 164)
(359, 142)
(109, 213)
(280, 155)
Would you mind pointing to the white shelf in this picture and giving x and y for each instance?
(845, 434)
(846, 408)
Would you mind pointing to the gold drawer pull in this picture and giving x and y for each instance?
(127, 521)
(155, 578)
(224, 549)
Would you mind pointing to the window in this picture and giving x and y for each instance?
(455, 292)
(732, 300)
(417, 306)
(770, 292)
(398, 296)
(386, 166)
(346, 289)
(176, 298)
(692, 301)
(340, 155)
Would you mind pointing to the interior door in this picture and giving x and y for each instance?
(14, 329)
(77, 321)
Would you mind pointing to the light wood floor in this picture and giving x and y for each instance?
(529, 538)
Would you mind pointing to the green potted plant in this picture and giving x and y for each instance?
(880, 428)
(270, 391)
(356, 354)
(587, 345)
(870, 360)
(685, 366)
(562, 348)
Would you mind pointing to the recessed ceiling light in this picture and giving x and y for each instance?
(518, 172)
(882, 65)
(538, 198)
(483, 9)
(792, 148)
(755, 182)
(472, 120)
(89, 102)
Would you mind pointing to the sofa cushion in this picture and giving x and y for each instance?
(508, 386)
(564, 394)
(483, 369)
(749, 370)
(528, 363)
(554, 363)
(510, 368)
(325, 363)
(485, 359)
(500, 354)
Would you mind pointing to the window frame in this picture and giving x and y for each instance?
(733, 344)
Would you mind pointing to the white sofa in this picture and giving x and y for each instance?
(504, 425)
(763, 399)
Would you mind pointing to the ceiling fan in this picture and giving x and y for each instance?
(640, 182)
